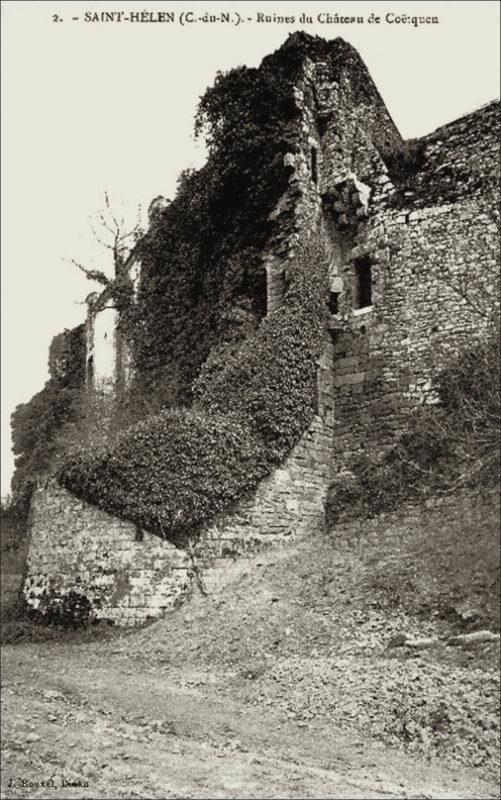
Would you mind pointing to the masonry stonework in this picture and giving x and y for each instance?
(411, 268)
(127, 576)
(287, 504)
(434, 260)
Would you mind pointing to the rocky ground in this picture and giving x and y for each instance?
(293, 681)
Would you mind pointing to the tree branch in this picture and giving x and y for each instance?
(91, 274)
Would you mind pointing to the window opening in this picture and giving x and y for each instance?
(364, 282)
(314, 165)
(261, 294)
(90, 368)
(333, 302)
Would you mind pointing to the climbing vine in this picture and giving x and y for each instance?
(175, 470)
(234, 389)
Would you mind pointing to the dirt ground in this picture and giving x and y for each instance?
(77, 717)
(279, 686)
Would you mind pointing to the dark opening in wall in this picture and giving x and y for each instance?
(363, 268)
(333, 303)
(322, 123)
(260, 295)
(90, 369)
(139, 536)
(314, 165)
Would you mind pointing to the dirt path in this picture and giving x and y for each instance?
(116, 731)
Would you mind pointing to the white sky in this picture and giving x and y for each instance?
(89, 107)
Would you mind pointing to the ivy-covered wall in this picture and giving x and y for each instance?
(235, 381)
(253, 270)
(233, 373)
(295, 300)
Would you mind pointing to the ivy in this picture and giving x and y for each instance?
(233, 390)
(38, 426)
(176, 470)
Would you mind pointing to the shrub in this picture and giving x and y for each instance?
(345, 499)
(170, 472)
(404, 161)
(177, 469)
(470, 396)
(38, 426)
(70, 610)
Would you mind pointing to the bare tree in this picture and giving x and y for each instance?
(114, 234)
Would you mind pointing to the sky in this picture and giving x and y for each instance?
(89, 107)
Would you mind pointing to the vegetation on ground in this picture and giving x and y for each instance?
(451, 444)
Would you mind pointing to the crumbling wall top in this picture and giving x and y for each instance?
(460, 159)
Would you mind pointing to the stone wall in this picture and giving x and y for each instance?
(434, 293)
(100, 336)
(76, 547)
(431, 242)
(108, 355)
(287, 504)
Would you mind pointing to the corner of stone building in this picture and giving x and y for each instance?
(81, 559)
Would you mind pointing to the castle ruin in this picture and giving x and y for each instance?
(403, 226)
